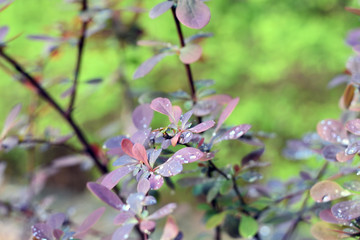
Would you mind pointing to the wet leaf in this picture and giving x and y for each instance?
(215, 220)
(89, 222)
(41, 231)
(147, 226)
(186, 155)
(343, 157)
(149, 64)
(193, 13)
(248, 226)
(202, 127)
(160, 8)
(352, 185)
(327, 216)
(329, 152)
(332, 131)
(162, 212)
(105, 195)
(113, 178)
(142, 116)
(143, 186)
(164, 106)
(56, 220)
(190, 53)
(170, 168)
(347, 210)
(251, 176)
(326, 191)
(353, 126)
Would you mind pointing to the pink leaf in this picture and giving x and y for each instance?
(343, 157)
(326, 191)
(332, 131)
(143, 186)
(227, 111)
(202, 126)
(176, 113)
(105, 195)
(123, 232)
(140, 154)
(162, 212)
(160, 9)
(175, 139)
(113, 178)
(149, 64)
(327, 216)
(353, 126)
(127, 146)
(235, 132)
(185, 118)
(142, 116)
(147, 226)
(171, 230)
(193, 13)
(190, 53)
(89, 222)
(10, 119)
(164, 106)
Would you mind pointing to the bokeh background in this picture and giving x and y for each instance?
(277, 56)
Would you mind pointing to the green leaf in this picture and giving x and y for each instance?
(212, 193)
(225, 187)
(248, 226)
(215, 220)
(203, 206)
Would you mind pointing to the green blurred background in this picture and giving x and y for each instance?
(277, 56)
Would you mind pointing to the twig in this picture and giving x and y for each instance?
(45, 95)
(187, 66)
(296, 222)
(81, 44)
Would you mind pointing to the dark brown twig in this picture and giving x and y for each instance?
(81, 44)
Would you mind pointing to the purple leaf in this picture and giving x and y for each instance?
(156, 181)
(56, 220)
(160, 9)
(149, 64)
(186, 155)
(122, 217)
(204, 107)
(171, 230)
(125, 160)
(193, 13)
(338, 80)
(326, 191)
(347, 210)
(141, 136)
(114, 142)
(235, 132)
(67, 92)
(43, 38)
(227, 111)
(135, 202)
(42, 231)
(190, 53)
(113, 178)
(353, 148)
(147, 226)
(153, 155)
(253, 156)
(149, 200)
(10, 119)
(332, 131)
(164, 106)
(185, 118)
(123, 232)
(202, 126)
(353, 126)
(329, 152)
(57, 234)
(143, 186)
(3, 32)
(142, 116)
(170, 168)
(89, 222)
(162, 212)
(105, 195)
(68, 161)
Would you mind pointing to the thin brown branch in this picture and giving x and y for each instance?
(45, 95)
(187, 66)
(81, 44)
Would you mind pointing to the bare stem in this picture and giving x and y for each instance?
(296, 222)
(187, 66)
(45, 95)
(81, 44)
